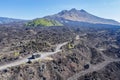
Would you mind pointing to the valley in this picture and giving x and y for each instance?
(70, 45)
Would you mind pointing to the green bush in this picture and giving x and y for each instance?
(16, 53)
(70, 46)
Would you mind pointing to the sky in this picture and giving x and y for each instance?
(30, 9)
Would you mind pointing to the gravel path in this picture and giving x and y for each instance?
(93, 68)
(24, 60)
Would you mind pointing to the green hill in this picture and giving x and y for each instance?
(43, 22)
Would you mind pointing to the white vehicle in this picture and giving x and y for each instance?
(34, 56)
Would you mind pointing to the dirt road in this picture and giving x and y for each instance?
(43, 55)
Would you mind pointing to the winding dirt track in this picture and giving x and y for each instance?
(93, 68)
(24, 60)
(74, 77)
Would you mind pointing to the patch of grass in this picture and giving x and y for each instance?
(43, 22)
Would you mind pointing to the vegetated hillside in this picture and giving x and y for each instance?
(82, 49)
(43, 22)
(109, 72)
(4, 20)
(27, 40)
(80, 16)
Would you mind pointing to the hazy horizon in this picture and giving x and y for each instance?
(31, 9)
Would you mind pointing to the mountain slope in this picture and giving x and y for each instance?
(43, 22)
(80, 16)
(5, 20)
